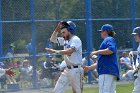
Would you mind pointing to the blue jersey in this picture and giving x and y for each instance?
(107, 64)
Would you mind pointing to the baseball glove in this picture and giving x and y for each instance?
(10, 72)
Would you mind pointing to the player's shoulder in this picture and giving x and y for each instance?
(109, 38)
(75, 37)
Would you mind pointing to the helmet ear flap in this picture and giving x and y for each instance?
(70, 29)
(136, 30)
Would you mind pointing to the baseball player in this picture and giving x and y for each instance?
(72, 56)
(107, 65)
(136, 33)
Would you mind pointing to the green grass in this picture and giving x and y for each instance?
(123, 88)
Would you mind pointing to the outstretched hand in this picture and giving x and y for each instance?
(10, 72)
(93, 53)
(86, 68)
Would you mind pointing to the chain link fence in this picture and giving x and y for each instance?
(26, 26)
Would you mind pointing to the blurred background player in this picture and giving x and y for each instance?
(93, 60)
(10, 52)
(5, 74)
(125, 62)
(72, 56)
(26, 71)
(29, 48)
(50, 69)
(136, 33)
(126, 68)
(6, 77)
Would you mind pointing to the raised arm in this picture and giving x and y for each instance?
(55, 33)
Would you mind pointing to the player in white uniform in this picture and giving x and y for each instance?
(136, 33)
(72, 56)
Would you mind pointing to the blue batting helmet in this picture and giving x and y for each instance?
(136, 30)
(71, 27)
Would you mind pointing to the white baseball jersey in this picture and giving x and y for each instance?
(137, 80)
(138, 56)
(126, 60)
(70, 76)
(76, 57)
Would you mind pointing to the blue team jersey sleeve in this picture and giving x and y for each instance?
(111, 44)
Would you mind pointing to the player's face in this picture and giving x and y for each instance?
(25, 64)
(65, 33)
(103, 34)
(137, 37)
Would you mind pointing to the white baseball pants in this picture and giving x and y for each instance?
(107, 83)
(72, 77)
(137, 84)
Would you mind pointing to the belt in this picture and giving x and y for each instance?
(71, 67)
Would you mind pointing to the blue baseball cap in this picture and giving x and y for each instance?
(106, 27)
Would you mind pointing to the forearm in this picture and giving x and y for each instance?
(93, 66)
(65, 52)
(54, 37)
(105, 52)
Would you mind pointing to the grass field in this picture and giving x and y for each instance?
(121, 88)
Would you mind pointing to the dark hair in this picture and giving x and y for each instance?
(111, 33)
(64, 25)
